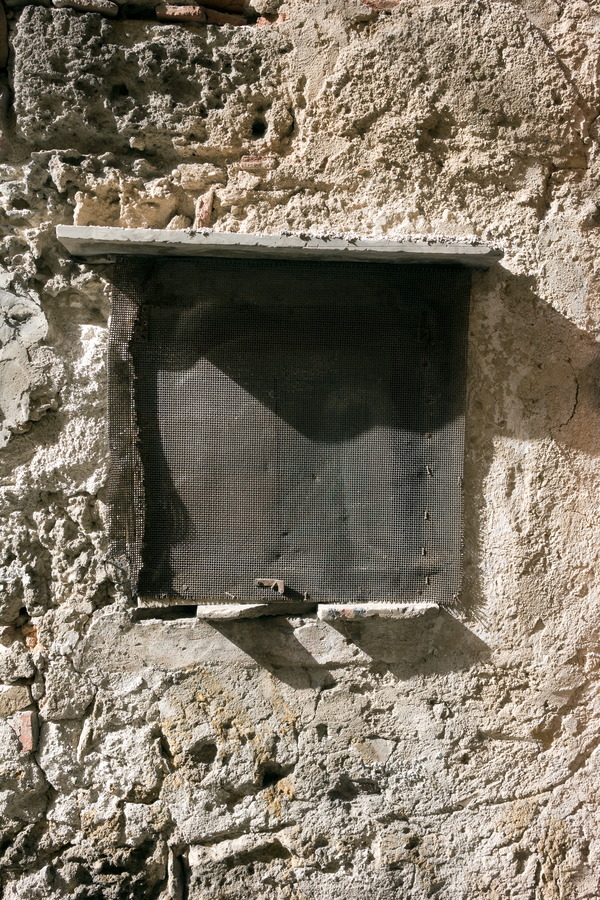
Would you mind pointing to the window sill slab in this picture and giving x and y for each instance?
(327, 612)
(253, 610)
(331, 612)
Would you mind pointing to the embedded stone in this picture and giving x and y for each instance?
(104, 7)
(13, 698)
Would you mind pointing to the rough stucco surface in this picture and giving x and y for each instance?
(454, 755)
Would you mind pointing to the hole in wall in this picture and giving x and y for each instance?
(119, 90)
(206, 754)
(271, 774)
(259, 128)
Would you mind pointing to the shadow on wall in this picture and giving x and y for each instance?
(534, 376)
(433, 644)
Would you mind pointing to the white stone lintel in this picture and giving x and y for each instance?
(331, 612)
(100, 241)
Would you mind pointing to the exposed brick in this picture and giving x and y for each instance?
(30, 633)
(271, 19)
(230, 6)
(215, 17)
(167, 13)
(251, 163)
(26, 728)
(105, 7)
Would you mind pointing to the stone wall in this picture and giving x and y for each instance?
(452, 756)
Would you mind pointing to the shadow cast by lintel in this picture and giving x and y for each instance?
(533, 376)
(432, 644)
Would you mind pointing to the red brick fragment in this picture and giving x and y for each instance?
(30, 633)
(204, 207)
(230, 6)
(213, 17)
(271, 19)
(382, 5)
(251, 163)
(168, 13)
(26, 727)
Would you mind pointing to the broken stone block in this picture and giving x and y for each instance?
(196, 177)
(179, 223)
(15, 662)
(104, 7)
(68, 693)
(23, 365)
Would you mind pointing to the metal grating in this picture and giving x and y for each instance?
(300, 421)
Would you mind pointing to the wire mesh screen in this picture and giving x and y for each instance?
(300, 421)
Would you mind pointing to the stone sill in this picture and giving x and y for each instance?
(327, 612)
(332, 612)
(99, 241)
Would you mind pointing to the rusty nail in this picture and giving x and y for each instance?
(274, 583)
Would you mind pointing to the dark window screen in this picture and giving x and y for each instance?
(293, 420)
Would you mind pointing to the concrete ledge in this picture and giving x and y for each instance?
(330, 612)
(94, 241)
(210, 611)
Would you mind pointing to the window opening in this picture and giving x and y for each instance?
(295, 423)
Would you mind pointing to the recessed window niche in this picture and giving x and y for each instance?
(288, 424)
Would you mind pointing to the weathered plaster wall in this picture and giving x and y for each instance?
(453, 756)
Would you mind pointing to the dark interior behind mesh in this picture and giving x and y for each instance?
(292, 420)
